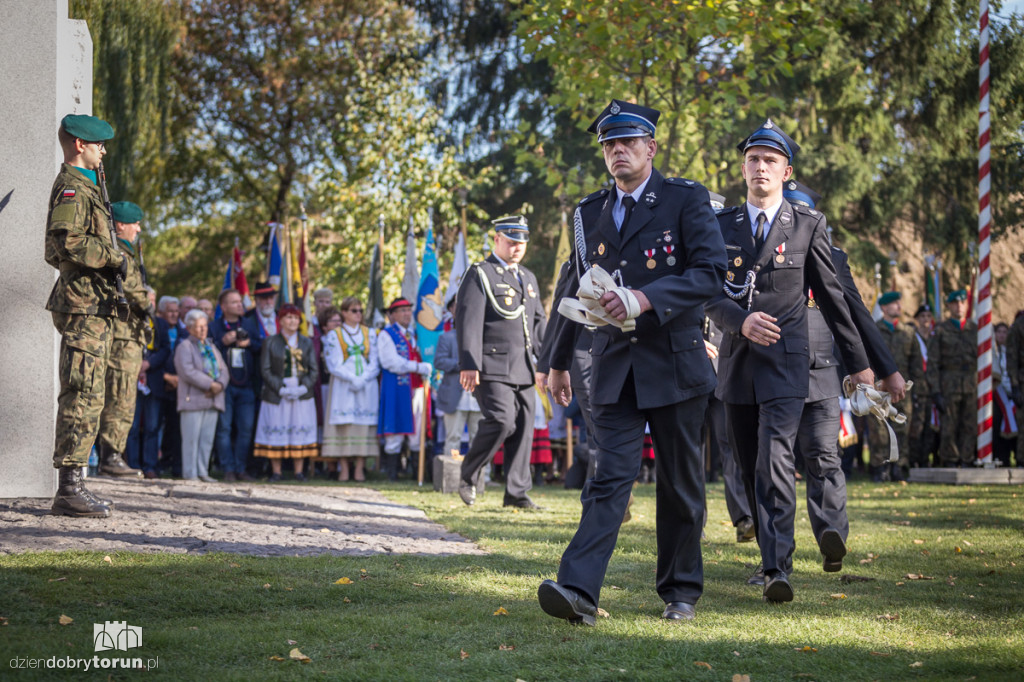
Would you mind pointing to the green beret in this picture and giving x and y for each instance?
(87, 128)
(889, 297)
(958, 295)
(126, 212)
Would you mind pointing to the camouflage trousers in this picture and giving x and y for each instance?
(959, 434)
(84, 351)
(121, 381)
(878, 438)
(919, 423)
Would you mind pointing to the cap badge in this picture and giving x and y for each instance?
(615, 109)
(600, 249)
(730, 276)
(737, 261)
(768, 124)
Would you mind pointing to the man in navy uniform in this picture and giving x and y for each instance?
(499, 325)
(659, 236)
(776, 251)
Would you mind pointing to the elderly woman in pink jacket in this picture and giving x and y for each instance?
(202, 375)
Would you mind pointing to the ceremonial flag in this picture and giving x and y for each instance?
(234, 278)
(375, 295)
(274, 252)
(429, 309)
(459, 266)
(972, 296)
(286, 266)
(411, 279)
(562, 254)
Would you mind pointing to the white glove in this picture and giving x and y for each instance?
(284, 391)
(587, 309)
(424, 369)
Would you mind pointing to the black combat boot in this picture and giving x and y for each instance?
(72, 499)
(113, 464)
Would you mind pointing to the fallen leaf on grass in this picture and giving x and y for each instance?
(916, 664)
(292, 642)
(234, 565)
(346, 600)
(601, 612)
(57, 580)
(838, 595)
(462, 654)
(805, 649)
(951, 581)
(108, 559)
(501, 611)
(297, 655)
(343, 581)
(417, 584)
(376, 646)
(958, 550)
(506, 647)
(266, 586)
(918, 576)
(852, 578)
(3, 621)
(918, 542)
(276, 658)
(888, 616)
(702, 664)
(740, 678)
(66, 620)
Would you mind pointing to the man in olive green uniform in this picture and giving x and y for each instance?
(1015, 368)
(952, 378)
(923, 436)
(125, 361)
(899, 338)
(83, 304)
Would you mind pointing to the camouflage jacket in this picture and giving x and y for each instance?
(1015, 353)
(902, 343)
(137, 327)
(953, 358)
(78, 245)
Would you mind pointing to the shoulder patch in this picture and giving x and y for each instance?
(596, 195)
(682, 182)
(64, 212)
(68, 193)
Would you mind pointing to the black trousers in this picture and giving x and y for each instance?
(580, 381)
(826, 483)
(735, 494)
(763, 437)
(507, 420)
(676, 430)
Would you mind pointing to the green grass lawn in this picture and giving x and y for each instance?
(433, 618)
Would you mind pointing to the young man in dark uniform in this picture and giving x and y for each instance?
(660, 238)
(776, 252)
(499, 325)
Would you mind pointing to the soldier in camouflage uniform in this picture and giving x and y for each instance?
(1015, 368)
(83, 304)
(952, 378)
(899, 338)
(125, 361)
(922, 434)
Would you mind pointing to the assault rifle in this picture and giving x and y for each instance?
(122, 303)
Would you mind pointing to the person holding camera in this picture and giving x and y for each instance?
(238, 340)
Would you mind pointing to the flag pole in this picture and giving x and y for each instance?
(984, 309)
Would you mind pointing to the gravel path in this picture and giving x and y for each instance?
(255, 520)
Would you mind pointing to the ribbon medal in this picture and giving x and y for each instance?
(651, 263)
(780, 250)
(668, 248)
(530, 291)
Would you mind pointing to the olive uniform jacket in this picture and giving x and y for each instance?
(794, 258)
(78, 245)
(272, 364)
(953, 358)
(674, 223)
(501, 349)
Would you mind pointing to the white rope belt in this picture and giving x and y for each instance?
(865, 399)
(518, 311)
(587, 308)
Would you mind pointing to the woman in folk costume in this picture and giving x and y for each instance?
(350, 353)
(286, 428)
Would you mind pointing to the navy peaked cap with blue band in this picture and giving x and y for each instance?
(513, 227)
(624, 119)
(799, 193)
(770, 135)
(87, 128)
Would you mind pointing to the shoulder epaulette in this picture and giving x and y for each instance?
(728, 210)
(682, 182)
(813, 212)
(596, 195)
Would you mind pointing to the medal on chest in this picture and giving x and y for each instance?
(651, 263)
(780, 250)
(668, 249)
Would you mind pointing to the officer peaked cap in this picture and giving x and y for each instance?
(514, 227)
(624, 119)
(889, 297)
(799, 193)
(717, 202)
(770, 135)
(126, 212)
(87, 128)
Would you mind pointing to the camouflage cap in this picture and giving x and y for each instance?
(126, 212)
(87, 128)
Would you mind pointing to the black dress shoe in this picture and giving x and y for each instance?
(523, 502)
(833, 549)
(757, 577)
(467, 492)
(567, 603)
(777, 588)
(678, 610)
(745, 530)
